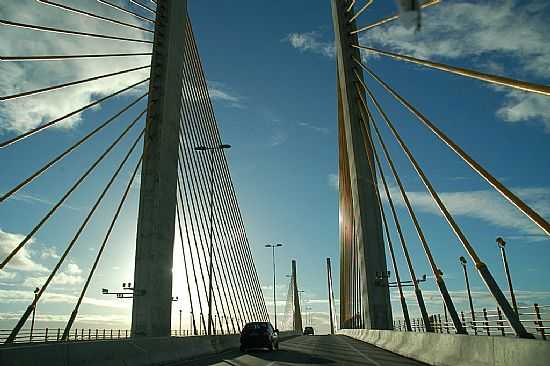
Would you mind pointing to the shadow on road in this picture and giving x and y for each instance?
(257, 357)
(289, 356)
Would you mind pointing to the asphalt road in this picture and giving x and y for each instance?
(310, 350)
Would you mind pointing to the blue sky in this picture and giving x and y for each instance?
(271, 73)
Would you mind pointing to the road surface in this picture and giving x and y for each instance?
(309, 350)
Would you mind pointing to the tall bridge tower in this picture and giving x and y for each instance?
(362, 246)
(151, 313)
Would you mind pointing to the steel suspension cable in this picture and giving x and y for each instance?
(188, 181)
(100, 252)
(74, 33)
(189, 241)
(145, 7)
(37, 297)
(218, 257)
(350, 6)
(482, 268)
(492, 79)
(92, 15)
(202, 173)
(71, 148)
(417, 290)
(366, 116)
(201, 170)
(431, 260)
(213, 127)
(199, 192)
(124, 10)
(191, 114)
(193, 324)
(64, 85)
(70, 57)
(247, 265)
(68, 193)
(202, 117)
(499, 187)
(195, 113)
(59, 119)
(242, 233)
(215, 132)
(360, 11)
(392, 18)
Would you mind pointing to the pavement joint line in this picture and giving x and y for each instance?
(360, 353)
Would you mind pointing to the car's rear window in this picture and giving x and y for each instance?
(255, 326)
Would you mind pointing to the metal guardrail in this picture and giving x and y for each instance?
(488, 322)
(43, 335)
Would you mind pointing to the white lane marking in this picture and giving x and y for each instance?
(233, 363)
(361, 353)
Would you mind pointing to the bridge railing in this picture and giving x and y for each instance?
(487, 322)
(42, 335)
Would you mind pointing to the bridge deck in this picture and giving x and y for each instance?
(311, 350)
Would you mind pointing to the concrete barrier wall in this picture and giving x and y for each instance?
(457, 350)
(123, 352)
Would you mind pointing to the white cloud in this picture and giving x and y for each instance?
(29, 198)
(219, 91)
(487, 206)
(521, 106)
(466, 29)
(60, 279)
(73, 268)
(16, 296)
(27, 112)
(333, 181)
(4, 275)
(482, 31)
(311, 41)
(82, 318)
(318, 129)
(278, 137)
(22, 261)
(49, 253)
(70, 277)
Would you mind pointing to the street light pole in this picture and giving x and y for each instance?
(180, 324)
(274, 283)
(210, 248)
(463, 262)
(501, 244)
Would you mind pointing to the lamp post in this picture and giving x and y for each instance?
(273, 246)
(308, 314)
(300, 298)
(180, 324)
(501, 244)
(464, 262)
(211, 149)
(36, 290)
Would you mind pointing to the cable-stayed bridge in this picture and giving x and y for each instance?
(156, 139)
